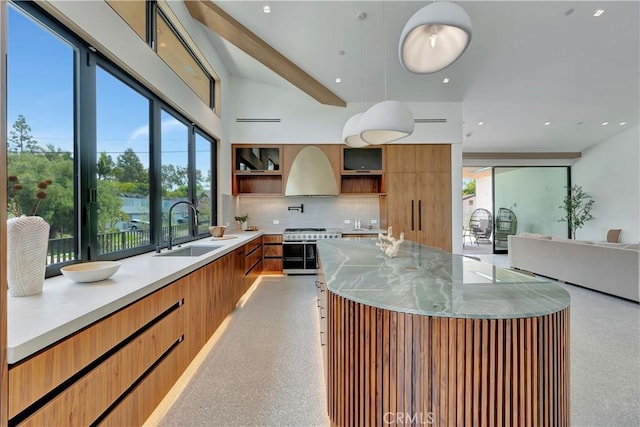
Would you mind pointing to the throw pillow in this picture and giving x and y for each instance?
(613, 235)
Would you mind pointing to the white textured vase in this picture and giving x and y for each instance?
(27, 241)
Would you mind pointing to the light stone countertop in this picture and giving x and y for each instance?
(428, 281)
(65, 307)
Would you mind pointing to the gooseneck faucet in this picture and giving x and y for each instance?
(195, 214)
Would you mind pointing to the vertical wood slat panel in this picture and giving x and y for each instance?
(446, 371)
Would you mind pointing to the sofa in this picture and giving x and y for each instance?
(612, 268)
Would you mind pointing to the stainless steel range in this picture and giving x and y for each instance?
(299, 254)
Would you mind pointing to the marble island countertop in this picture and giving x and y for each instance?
(65, 307)
(428, 281)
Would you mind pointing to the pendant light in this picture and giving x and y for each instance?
(351, 129)
(388, 120)
(434, 37)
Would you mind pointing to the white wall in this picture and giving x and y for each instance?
(609, 173)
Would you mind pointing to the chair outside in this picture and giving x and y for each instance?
(481, 225)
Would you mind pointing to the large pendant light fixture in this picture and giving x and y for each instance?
(434, 37)
(351, 129)
(388, 120)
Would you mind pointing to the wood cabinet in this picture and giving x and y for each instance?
(362, 170)
(117, 370)
(418, 199)
(252, 261)
(272, 253)
(257, 169)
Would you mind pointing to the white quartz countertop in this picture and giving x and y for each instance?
(65, 307)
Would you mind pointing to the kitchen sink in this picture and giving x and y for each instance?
(190, 251)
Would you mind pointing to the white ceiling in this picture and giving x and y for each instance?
(528, 63)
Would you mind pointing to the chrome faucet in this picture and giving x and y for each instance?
(195, 214)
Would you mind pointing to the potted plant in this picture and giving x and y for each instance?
(577, 206)
(242, 219)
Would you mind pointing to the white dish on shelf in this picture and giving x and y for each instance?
(90, 271)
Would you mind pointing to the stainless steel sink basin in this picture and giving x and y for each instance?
(190, 251)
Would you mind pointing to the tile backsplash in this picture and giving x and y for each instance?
(329, 212)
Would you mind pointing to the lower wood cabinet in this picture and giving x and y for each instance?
(272, 260)
(117, 370)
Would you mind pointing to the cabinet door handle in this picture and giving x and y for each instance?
(419, 215)
(412, 215)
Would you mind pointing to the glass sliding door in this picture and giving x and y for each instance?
(528, 199)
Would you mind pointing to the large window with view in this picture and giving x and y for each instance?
(41, 132)
(94, 152)
(122, 165)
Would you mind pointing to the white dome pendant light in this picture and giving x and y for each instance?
(351, 134)
(386, 121)
(351, 129)
(434, 37)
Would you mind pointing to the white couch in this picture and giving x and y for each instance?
(612, 268)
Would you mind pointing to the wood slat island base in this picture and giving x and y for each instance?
(433, 338)
(390, 368)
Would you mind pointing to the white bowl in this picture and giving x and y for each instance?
(90, 271)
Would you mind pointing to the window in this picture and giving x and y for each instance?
(122, 165)
(134, 13)
(203, 179)
(116, 155)
(41, 133)
(174, 52)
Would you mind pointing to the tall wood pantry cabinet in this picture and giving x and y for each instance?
(418, 199)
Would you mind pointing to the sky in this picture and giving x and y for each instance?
(40, 84)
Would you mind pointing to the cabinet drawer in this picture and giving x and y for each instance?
(33, 378)
(252, 245)
(271, 251)
(252, 259)
(89, 397)
(272, 238)
(272, 264)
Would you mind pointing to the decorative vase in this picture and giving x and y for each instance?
(243, 225)
(27, 242)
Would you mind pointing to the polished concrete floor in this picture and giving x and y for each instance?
(266, 368)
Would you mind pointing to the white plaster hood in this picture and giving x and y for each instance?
(311, 175)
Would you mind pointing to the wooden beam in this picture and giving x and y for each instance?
(223, 24)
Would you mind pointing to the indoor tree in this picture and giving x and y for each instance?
(577, 206)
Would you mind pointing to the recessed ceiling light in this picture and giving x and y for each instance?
(598, 12)
(338, 79)
(569, 12)
(480, 123)
(605, 123)
(547, 123)
(623, 123)
(162, 44)
(266, 9)
(445, 80)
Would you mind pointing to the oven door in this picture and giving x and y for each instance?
(299, 258)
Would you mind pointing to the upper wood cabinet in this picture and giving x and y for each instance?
(362, 170)
(257, 169)
(419, 158)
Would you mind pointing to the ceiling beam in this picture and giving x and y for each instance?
(223, 24)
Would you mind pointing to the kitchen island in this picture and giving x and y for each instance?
(435, 338)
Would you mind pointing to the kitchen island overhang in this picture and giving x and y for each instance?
(435, 338)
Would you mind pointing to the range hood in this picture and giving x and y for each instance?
(311, 174)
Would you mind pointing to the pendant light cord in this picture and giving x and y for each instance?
(384, 45)
(364, 16)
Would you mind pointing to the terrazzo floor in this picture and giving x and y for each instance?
(266, 369)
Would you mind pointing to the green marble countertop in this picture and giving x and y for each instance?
(431, 282)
